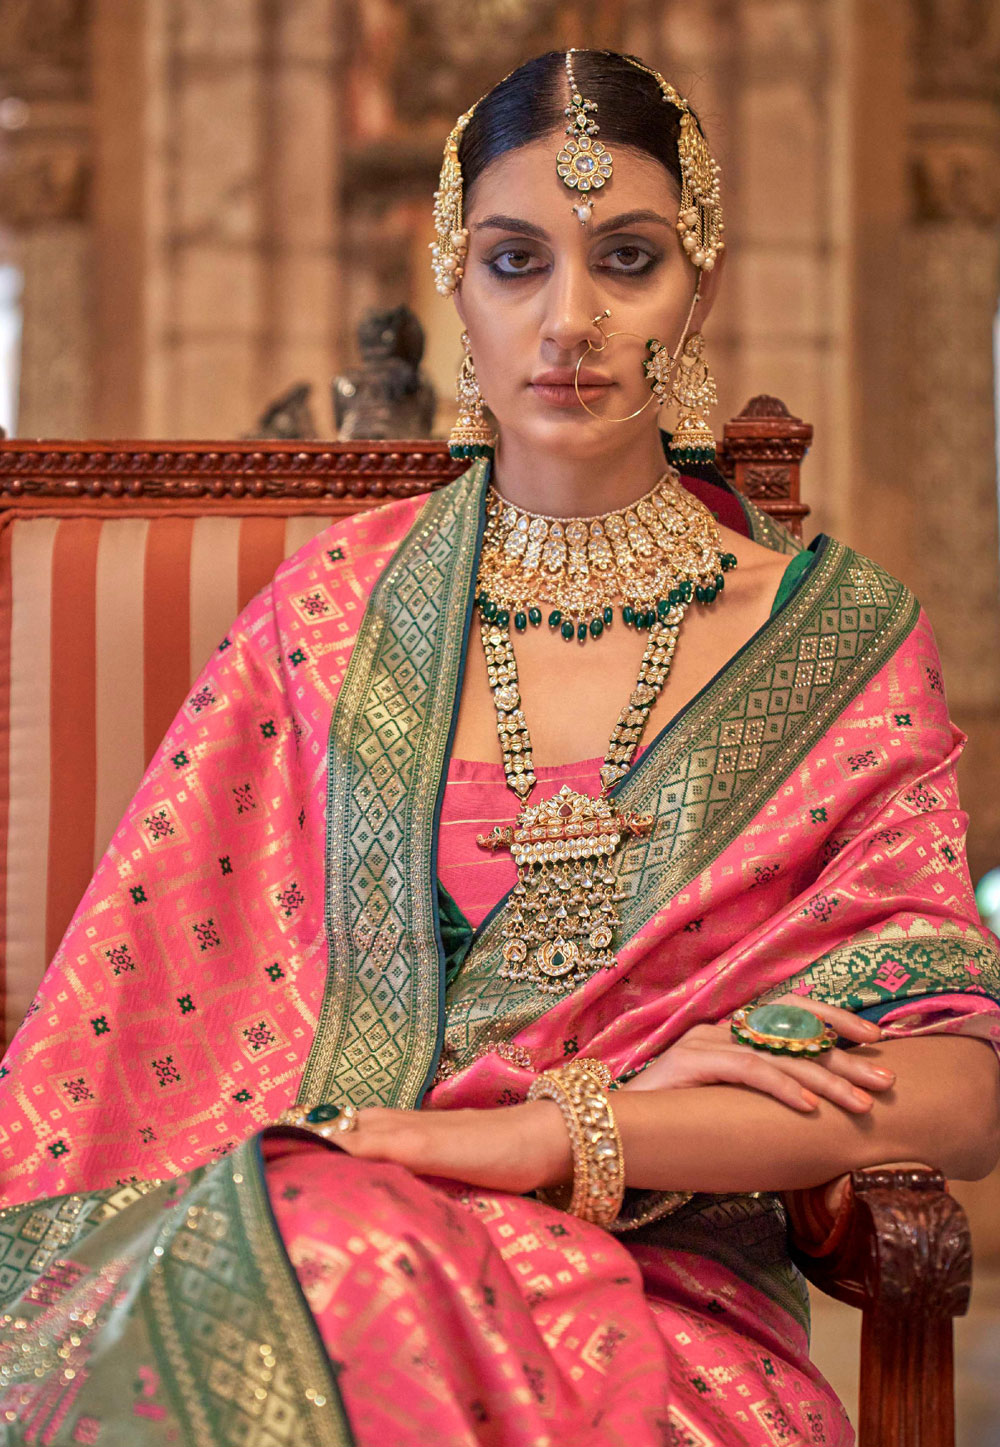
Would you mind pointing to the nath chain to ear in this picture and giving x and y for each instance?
(658, 369)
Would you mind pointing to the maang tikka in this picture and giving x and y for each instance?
(583, 163)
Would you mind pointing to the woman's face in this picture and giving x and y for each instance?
(535, 278)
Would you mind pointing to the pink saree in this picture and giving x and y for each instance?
(173, 1271)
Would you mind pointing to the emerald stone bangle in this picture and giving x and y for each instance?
(783, 1029)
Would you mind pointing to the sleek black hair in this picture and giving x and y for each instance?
(530, 103)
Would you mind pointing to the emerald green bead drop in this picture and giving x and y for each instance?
(534, 616)
(555, 618)
(596, 627)
(520, 621)
(609, 616)
(568, 630)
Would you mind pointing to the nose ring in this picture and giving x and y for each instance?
(597, 322)
(606, 337)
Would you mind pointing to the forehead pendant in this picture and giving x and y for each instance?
(583, 163)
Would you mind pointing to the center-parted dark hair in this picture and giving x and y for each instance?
(530, 103)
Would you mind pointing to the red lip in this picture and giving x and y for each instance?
(563, 377)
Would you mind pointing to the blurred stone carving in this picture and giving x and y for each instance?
(388, 395)
(41, 182)
(455, 48)
(289, 418)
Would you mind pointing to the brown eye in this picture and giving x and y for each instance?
(518, 264)
(634, 260)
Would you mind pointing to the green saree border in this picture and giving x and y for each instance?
(899, 963)
(379, 1029)
(712, 768)
(189, 1276)
(764, 529)
(234, 1337)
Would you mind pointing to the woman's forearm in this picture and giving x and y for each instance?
(944, 1109)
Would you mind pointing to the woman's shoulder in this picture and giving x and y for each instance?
(356, 547)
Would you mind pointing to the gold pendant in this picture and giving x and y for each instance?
(563, 911)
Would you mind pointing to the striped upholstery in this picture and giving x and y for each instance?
(104, 623)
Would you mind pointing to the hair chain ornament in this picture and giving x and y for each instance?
(583, 163)
(449, 251)
(560, 925)
(699, 219)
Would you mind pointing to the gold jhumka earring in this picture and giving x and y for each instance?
(471, 436)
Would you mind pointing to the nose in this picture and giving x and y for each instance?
(571, 302)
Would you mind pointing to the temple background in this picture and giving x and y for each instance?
(199, 199)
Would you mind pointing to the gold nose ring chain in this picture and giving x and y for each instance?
(606, 337)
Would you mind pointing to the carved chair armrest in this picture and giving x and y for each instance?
(899, 1248)
(898, 1237)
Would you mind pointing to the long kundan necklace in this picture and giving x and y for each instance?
(649, 560)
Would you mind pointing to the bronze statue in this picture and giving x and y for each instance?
(388, 395)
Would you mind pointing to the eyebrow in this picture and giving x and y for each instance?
(528, 228)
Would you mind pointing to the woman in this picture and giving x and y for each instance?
(774, 816)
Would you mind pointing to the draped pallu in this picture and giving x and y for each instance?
(267, 927)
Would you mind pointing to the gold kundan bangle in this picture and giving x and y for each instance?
(580, 1090)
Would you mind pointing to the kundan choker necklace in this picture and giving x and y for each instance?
(645, 558)
(651, 559)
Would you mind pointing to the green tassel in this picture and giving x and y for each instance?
(469, 451)
(680, 455)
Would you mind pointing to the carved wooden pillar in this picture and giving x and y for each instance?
(762, 452)
(952, 269)
(44, 205)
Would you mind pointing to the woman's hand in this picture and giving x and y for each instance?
(514, 1148)
(709, 1055)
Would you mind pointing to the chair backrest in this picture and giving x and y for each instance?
(121, 567)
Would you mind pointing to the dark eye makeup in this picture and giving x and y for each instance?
(630, 249)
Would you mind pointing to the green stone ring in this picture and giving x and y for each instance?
(326, 1120)
(783, 1029)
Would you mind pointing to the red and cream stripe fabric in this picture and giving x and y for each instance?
(105, 622)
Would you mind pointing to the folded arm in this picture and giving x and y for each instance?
(944, 1108)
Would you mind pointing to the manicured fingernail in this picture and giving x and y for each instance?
(812, 1101)
(862, 1097)
(884, 1074)
(875, 1031)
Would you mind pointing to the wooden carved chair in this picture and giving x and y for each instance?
(123, 563)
